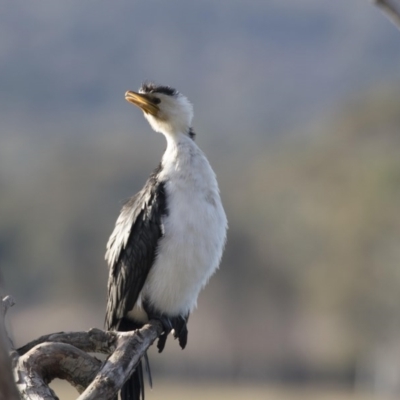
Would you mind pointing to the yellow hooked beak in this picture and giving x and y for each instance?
(143, 101)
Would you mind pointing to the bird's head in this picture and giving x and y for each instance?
(167, 110)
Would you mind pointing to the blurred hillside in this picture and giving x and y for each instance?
(246, 65)
(311, 266)
(297, 108)
(323, 235)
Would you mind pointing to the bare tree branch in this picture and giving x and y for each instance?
(8, 390)
(122, 362)
(64, 355)
(93, 341)
(391, 8)
(6, 303)
(48, 361)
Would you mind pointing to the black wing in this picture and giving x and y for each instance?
(132, 246)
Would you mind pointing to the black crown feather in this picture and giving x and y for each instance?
(151, 87)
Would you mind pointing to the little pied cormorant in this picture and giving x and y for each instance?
(169, 238)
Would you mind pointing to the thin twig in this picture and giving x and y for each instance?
(391, 8)
(6, 303)
(8, 391)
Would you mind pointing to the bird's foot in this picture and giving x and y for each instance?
(167, 328)
(180, 330)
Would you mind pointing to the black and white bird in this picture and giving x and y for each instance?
(169, 238)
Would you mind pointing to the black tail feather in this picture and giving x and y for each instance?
(133, 388)
(148, 370)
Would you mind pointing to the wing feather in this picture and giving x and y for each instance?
(132, 248)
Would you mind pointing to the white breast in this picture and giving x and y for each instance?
(194, 231)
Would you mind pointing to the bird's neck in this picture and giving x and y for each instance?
(179, 147)
(177, 139)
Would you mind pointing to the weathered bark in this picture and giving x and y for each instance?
(64, 355)
(93, 341)
(48, 361)
(391, 8)
(122, 362)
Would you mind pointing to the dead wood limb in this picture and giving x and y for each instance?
(64, 355)
(121, 364)
(6, 303)
(391, 8)
(8, 391)
(92, 341)
(48, 361)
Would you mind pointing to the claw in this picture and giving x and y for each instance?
(161, 342)
(167, 327)
(183, 339)
(178, 324)
(180, 331)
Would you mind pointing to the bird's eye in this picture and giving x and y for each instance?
(156, 100)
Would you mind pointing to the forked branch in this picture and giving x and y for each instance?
(65, 356)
